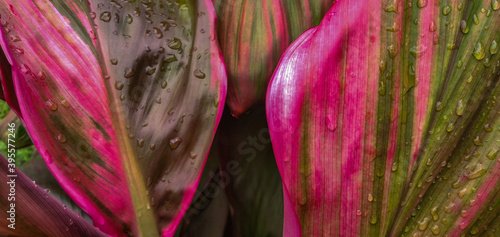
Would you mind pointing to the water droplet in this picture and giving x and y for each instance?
(122, 97)
(370, 197)
(394, 166)
(392, 6)
(114, 61)
(129, 72)
(51, 105)
(157, 32)
(435, 39)
(462, 192)
(150, 70)
(393, 28)
(61, 138)
(170, 58)
(164, 25)
(421, 3)
(140, 142)
(460, 6)
(302, 200)
(163, 84)
(446, 10)
(494, 47)
(65, 103)
(479, 51)
(14, 38)
(174, 43)
(439, 106)
(358, 212)
(463, 27)
(435, 229)
(422, 225)
(450, 127)
(475, 19)
(192, 155)
(417, 51)
(450, 207)
(199, 74)
(17, 51)
(469, 79)
(432, 26)
(477, 141)
(478, 172)
(149, 181)
(460, 108)
(492, 154)
(495, 5)
(119, 85)
(174, 143)
(105, 16)
(392, 51)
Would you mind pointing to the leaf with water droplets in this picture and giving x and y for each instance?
(396, 124)
(83, 80)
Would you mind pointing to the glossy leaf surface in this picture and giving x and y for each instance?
(375, 111)
(116, 97)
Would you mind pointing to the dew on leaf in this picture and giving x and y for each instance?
(479, 51)
(129, 72)
(140, 142)
(495, 5)
(150, 70)
(199, 74)
(51, 105)
(478, 172)
(157, 33)
(114, 61)
(460, 108)
(435, 229)
(477, 141)
(432, 26)
(175, 142)
(421, 3)
(494, 47)
(174, 43)
(446, 10)
(105, 16)
(61, 138)
(422, 225)
(119, 85)
(464, 27)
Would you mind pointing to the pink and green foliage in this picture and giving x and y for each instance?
(116, 105)
(383, 117)
(384, 120)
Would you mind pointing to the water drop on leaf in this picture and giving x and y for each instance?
(105, 16)
(51, 105)
(479, 51)
(199, 74)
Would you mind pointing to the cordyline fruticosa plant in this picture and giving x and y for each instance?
(384, 119)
